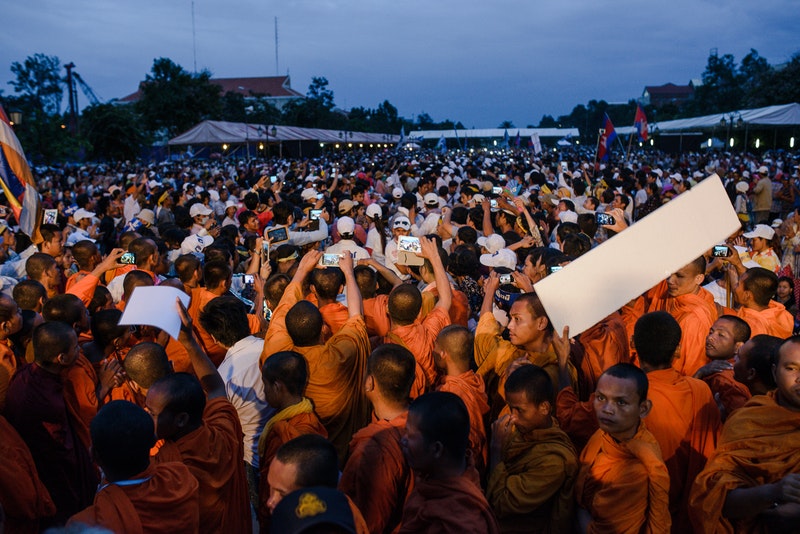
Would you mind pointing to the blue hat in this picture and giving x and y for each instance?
(70, 210)
(308, 507)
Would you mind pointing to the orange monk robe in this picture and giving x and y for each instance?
(471, 389)
(624, 485)
(773, 321)
(8, 366)
(604, 344)
(377, 476)
(376, 315)
(22, 495)
(694, 312)
(84, 287)
(119, 271)
(575, 417)
(358, 519)
(165, 499)
(448, 506)
(685, 421)
(177, 355)
(80, 395)
(214, 454)
(278, 432)
(729, 393)
(334, 315)
(758, 446)
(419, 338)
(459, 306)
(493, 354)
(75, 278)
(531, 490)
(336, 371)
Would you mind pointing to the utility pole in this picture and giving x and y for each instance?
(73, 100)
(277, 72)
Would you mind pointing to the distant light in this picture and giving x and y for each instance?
(651, 141)
(63, 126)
(758, 142)
(224, 146)
(791, 142)
(349, 145)
(322, 145)
(371, 145)
(261, 146)
(731, 143)
(709, 142)
(577, 141)
(337, 145)
(361, 145)
(495, 142)
(640, 143)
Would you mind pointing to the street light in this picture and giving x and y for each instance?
(735, 121)
(16, 118)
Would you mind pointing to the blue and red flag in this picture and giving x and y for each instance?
(640, 123)
(517, 141)
(607, 138)
(17, 182)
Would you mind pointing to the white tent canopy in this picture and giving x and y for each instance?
(492, 132)
(218, 132)
(783, 115)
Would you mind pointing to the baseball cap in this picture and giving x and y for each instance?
(194, 244)
(431, 199)
(81, 213)
(147, 216)
(763, 170)
(761, 230)
(374, 210)
(742, 187)
(199, 209)
(345, 225)
(492, 243)
(397, 193)
(308, 194)
(502, 258)
(305, 508)
(346, 205)
(568, 216)
(402, 222)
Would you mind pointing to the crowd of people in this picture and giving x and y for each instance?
(364, 350)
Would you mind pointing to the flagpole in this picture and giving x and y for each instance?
(630, 141)
(600, 133)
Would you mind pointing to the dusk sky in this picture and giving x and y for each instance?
(476, 62)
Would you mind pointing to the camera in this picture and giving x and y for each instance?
(604, 219)
(129, 258)
(721, 251)
(506, 279)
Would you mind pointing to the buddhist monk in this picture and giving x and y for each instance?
(144, 365)
(727, 336)
(684, 418)
(37, 409)
(303, 462)
(336, 367)
(534, 464)
(376, 476)
(446, 497)
(419, 336)
(459, 306)
(752, 483)
(753, 364)
(376, 306)
(604, 344)
(202, 430)
(530, 337)
(326, 285)
(682, 296)
(22, 494)
(10, 323)
(754, 292)
(285, 375)
(135, 495)
(453, 356)
(623, 484)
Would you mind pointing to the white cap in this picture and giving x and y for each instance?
(147, 216)
(761, 230)
(502, 258)
(568, 216)
(402, 222)
(763, 170)
(373, 210)
(493, 243)
(82, 214)
(195, 244)
(199, 209)
(431, 200)
(345, 225)
(397, 193)
(308, 194)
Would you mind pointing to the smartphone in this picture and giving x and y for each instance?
(408, 243)
(330, 260)
(129, 258)
(249, 279)
(314, 214)
(555, 269)
(497, 190)
(506, 279)
(276, 235)
(273, 179)
(564, 167)
(267, 312)
(320, 196)
(50, 216)
(604, 218)
(721, 251)
(493, 203)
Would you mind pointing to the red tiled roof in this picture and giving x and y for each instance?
(275, 86)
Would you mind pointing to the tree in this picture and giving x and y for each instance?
(173, 100)
(754, 71)
(39, 78)
(385, 118)
(316, 110)
(506, 124)
(547, 122)
(721, 90)
(114, 132)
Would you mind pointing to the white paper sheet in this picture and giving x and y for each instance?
(608, 276)
(155, 306)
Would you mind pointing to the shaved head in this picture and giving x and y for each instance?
(147, 363)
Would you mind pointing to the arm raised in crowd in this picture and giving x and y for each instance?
(205, 370)
(355, 306)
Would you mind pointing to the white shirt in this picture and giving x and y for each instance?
(242, 376)
(348, 245)
(131, 208)
(374, 243)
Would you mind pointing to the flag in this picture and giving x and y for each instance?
(640, 123)
(536, 143)
(517, 141)
(565, 141)
(17, 182)
(402, 140)
(606, 139)
(442, 145)
(505, 138)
